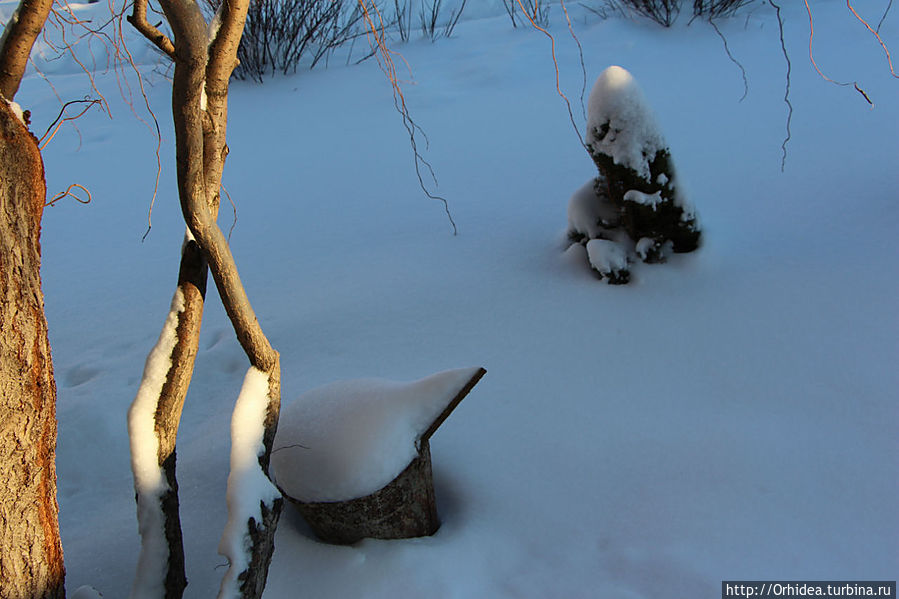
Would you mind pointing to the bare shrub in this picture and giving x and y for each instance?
(665, 12)
(279, 34)
(430, 19)
(712, 9)
(535, 12)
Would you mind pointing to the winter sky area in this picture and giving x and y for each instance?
(729, 415)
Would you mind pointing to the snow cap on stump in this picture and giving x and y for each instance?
(354, 455)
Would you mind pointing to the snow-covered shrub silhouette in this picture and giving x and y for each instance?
(634, 206)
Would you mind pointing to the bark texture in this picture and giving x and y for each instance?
(31, 560)
(404, 508)
(17, 41)
(192, 283)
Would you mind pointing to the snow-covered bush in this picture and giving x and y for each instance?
(634, 202)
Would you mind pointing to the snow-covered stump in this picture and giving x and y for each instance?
(355, 459)
(636, 191)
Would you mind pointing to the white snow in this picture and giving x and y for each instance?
(149, 479)
(645, 199)
(17, 110)
(719, 418)
(585, 212)
(248, 486)
(87, 592)
(617, 103)
(351, 438)
(644, 246)
(606, 256)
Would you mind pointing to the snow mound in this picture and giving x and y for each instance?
(620, 123)
(87, 592)
(609, 259)
(351, 438)
(587, 215)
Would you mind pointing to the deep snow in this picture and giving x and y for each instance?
(730, 415)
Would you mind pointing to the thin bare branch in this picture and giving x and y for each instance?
(138, 18)
(60, 119)
(552, 49)
(811, 35)
(877, 35)
(886, 11)
(783, 45)
(732, 59)
(580, 51)
(68, 193)
(384, 55)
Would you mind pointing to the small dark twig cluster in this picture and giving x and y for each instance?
(532, 9)
(430, 19)
(713, 9)
(665, 12)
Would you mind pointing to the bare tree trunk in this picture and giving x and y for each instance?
(199, 105)
(31, 560)
(167, 397)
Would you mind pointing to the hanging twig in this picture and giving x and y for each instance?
(732, 59)
(783, 45)
(876, 34)
(552, 49)
(811, 34)
(580, 52)
(234, 209)
(59, 120)
(885, 13)
(384, 56)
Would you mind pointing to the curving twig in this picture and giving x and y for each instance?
(60, 119)
(732, 59)
(876, 34)
(68, 193)
(384, 55)
(811, 34)
(552, 49)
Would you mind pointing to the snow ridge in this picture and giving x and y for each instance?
(149, 479)
(248, 486)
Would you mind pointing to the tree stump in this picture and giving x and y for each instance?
(403, 508)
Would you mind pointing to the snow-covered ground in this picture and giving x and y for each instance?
(729, 415)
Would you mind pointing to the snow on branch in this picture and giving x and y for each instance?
(149, 479)
(250, 493)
